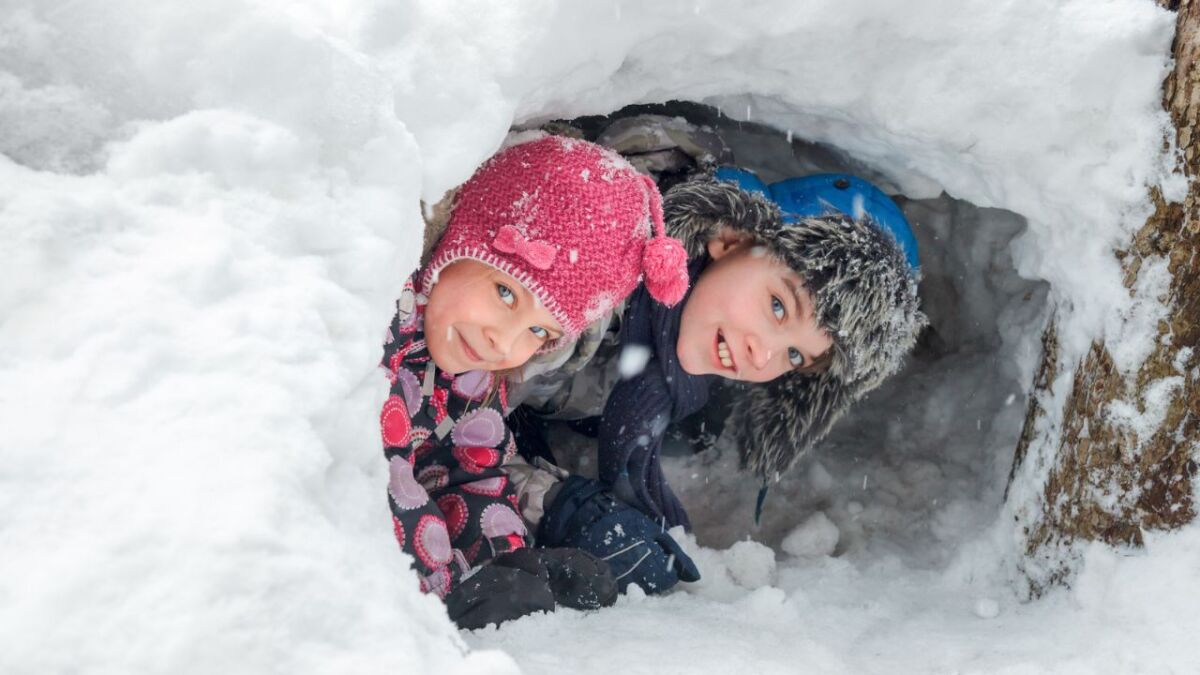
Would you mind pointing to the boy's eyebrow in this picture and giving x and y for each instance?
(802, 311)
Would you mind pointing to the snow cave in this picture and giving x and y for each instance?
(206, 213)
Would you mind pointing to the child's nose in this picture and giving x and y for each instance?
(501, 339)
(760, 354)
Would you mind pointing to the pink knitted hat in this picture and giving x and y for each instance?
(572, 221)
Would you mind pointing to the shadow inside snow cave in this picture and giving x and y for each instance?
(921, 463)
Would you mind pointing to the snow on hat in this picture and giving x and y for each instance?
(570, 220)
(865, 292)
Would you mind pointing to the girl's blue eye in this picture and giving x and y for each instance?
(777, 308)
(795, 357)
(540, 332)
(506, 294)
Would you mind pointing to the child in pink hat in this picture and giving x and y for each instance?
(546, 237)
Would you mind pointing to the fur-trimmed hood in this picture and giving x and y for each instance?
(865, 294)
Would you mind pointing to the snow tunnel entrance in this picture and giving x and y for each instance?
(922, 462)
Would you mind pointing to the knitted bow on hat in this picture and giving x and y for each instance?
(536, 253)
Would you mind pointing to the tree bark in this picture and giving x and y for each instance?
(1106, 483)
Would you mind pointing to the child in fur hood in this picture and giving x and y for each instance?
(805, 290)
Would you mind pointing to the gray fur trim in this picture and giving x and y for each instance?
(776, 422)
(694, 212)
(865, 293)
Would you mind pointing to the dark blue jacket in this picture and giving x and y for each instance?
(640, 408)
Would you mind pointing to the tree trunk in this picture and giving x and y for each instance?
(1104, 482)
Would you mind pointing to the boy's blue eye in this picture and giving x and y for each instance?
(506, 294)
(540, 332)
(777, 308)
(795, 357)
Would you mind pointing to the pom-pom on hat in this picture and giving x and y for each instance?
(575, 223)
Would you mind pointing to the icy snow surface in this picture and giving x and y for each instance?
(206, 210)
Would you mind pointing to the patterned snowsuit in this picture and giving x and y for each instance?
(445, 439)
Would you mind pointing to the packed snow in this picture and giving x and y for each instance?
(206, 211)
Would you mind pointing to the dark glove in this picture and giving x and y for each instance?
(586, 515)
(577, 579)
(496, 594)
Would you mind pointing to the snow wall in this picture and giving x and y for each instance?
(205, 213)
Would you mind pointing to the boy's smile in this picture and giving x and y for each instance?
(749, 317)
(479, 318)
(724, 359)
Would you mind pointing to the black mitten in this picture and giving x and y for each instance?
(496, 594)
(577, 579)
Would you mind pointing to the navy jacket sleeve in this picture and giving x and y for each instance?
(632, 427)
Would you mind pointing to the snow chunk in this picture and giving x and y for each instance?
(987, 608)
(751, 564)
(1144, 422)
(520, 137)
(858, 208)
(633, 360)
(819, 479)
(1134, 338)
(600, 305)
(234, 149)
(816, 536)
(633, 595)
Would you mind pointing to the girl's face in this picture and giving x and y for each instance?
(479, 318)
(749, 317)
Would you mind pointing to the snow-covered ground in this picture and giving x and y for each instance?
(205, 211)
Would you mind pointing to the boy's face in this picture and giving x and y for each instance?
(479, 318)
(749, 316)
